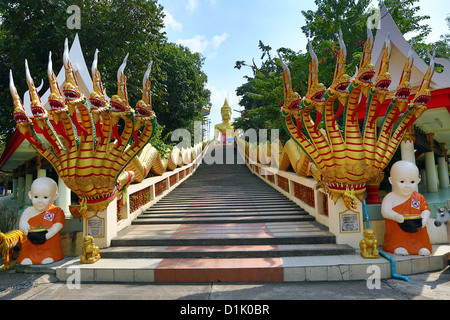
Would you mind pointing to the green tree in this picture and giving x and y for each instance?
(184, 94)
(29, 29)
(442, 48)
(323, 25)
(351, 17)
(263, 93)
(264, 90)
(405, 15)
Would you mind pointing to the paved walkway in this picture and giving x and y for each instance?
(24, 286)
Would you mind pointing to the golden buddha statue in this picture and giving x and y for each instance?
(226, 128)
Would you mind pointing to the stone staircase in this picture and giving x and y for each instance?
(222, 218)
(224, 224)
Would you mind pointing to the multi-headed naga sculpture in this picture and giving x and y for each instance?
(345, 159)
(83, 140)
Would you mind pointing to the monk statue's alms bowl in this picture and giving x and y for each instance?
(37, 236)
(412, 224)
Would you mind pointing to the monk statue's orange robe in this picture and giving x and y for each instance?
(52, 247)
(395, 237)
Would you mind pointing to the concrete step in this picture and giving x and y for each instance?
(224, 198)
(275, 201)
(226, 251)
(224, 208)
(189, 212)
(345, 267)
(220, 234)
(215, 220)
(219, 213)
(224, 241)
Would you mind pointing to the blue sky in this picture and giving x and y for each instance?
(226, 31)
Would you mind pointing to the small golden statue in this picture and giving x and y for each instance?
(91, 253)
(226, 128)
(369, 244)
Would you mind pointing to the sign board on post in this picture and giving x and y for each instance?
(349, 222)
(95, 227)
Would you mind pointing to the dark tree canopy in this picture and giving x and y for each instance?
(29, 29)
(263, 90)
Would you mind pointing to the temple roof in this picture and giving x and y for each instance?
(400, 51)
(437, 118)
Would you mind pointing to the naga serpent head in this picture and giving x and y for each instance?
(71, 91)
(404, 88)
(97, 98)
(383, 80)
(40, 114)
(291, 98)
(366, 70)
(316, 90)
(144, 110)
(23, 122)
(341, 80)
(314, 98)
(55, 99)
(119, 103)
(423, 95)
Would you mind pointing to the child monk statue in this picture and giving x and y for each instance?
(402, 202)
(43, 215)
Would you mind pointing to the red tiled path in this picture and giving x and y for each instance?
(220, 270)
(223, 225)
